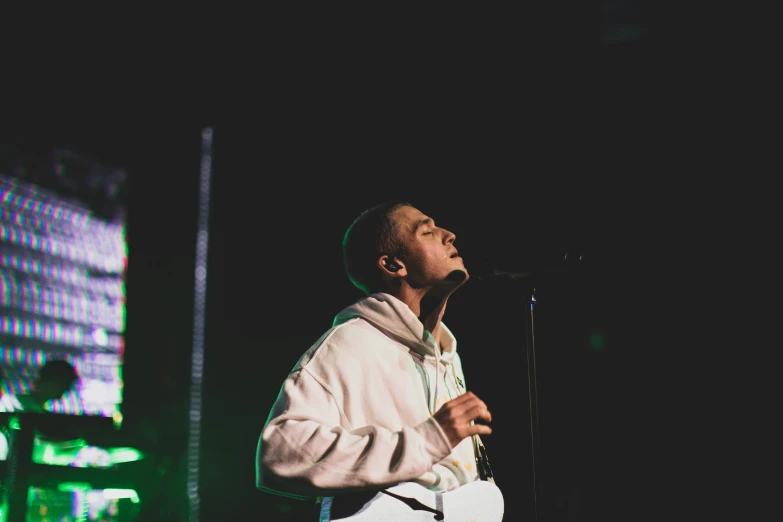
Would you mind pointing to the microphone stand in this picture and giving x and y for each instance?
(530, 343)
(527, 285)
(528, 281)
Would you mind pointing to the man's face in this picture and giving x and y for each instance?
(432, 259)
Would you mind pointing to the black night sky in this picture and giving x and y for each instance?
(525, 155)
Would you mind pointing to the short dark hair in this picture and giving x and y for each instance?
(58, 369)
(372, 234)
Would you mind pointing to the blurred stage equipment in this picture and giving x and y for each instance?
(63, 261)
(199, 317)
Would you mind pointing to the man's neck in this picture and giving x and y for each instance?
(432, 314)
(428, 306)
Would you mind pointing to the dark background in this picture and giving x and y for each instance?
(529, 137)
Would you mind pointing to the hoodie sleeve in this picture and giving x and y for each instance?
(304, 450)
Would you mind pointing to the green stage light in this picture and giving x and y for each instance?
(596, 341)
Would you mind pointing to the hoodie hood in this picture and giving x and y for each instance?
(397, 320)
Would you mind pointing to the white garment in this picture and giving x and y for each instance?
(356, 410)
(10, 402)
(3, 446)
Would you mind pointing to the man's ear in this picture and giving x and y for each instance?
(389, 265)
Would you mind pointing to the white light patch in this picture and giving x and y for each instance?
(100, 337)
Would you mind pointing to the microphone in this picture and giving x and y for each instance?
(569, 262)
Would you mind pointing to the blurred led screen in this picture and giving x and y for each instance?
(63, 259)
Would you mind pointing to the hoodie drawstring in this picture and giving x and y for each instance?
(437, 376)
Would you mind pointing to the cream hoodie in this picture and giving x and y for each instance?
(355, 413)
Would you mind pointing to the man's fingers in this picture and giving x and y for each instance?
(465, 404)
(464, 416)
(482, 429)
(479, 415)
(483, 416)
(478, 429)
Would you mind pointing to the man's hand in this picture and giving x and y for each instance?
(456, 418)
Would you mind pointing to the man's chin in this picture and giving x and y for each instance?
(456, 278)
(448, 284)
